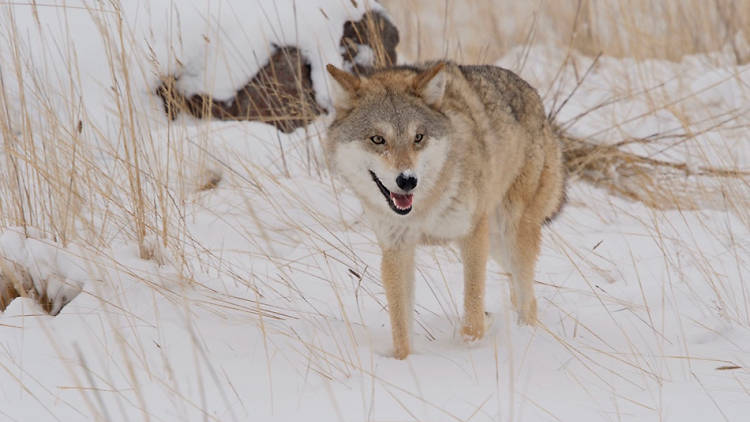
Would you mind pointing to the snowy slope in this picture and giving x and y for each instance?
(269, 305)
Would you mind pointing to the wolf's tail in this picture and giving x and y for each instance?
(656, 183)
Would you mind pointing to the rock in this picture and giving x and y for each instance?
(369, 42)
(281, 93)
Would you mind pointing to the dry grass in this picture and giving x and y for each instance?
(57, 175)
(482, 31)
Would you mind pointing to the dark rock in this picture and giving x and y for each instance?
(281, 93)
(375, 32)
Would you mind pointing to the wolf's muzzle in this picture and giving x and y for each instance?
(400, 203)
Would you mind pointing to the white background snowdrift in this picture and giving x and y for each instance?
(273, 308)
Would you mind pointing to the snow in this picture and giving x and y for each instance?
(271, 307)
(365, 57)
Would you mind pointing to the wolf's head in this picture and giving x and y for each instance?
(389, 140)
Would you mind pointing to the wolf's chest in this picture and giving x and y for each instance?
(451, 222)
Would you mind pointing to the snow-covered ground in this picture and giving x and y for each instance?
(267, 304)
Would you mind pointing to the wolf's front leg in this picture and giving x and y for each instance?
(397, 270)
(474, 251)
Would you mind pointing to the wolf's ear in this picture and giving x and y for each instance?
(344, 87)
(430, 84)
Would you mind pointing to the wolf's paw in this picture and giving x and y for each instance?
(401, 353)
(475, 330)
(471, 333)
(527, 313)
(401, 347)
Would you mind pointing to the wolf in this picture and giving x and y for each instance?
(439, 153)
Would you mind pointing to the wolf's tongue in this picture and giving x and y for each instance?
(402, 201)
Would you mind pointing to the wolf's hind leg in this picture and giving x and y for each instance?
(500, 254)
(523, 261)
(516, 246)
(474, 251)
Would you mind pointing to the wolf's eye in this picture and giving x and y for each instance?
(377, 139)
(418, 138)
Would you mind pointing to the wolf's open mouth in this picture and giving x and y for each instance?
(399, 203)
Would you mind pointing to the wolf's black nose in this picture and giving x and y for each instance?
(406, 183)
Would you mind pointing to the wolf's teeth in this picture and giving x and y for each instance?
(401, 202)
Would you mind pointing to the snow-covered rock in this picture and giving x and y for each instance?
(33, 265)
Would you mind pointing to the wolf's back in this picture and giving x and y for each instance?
(499, 87)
